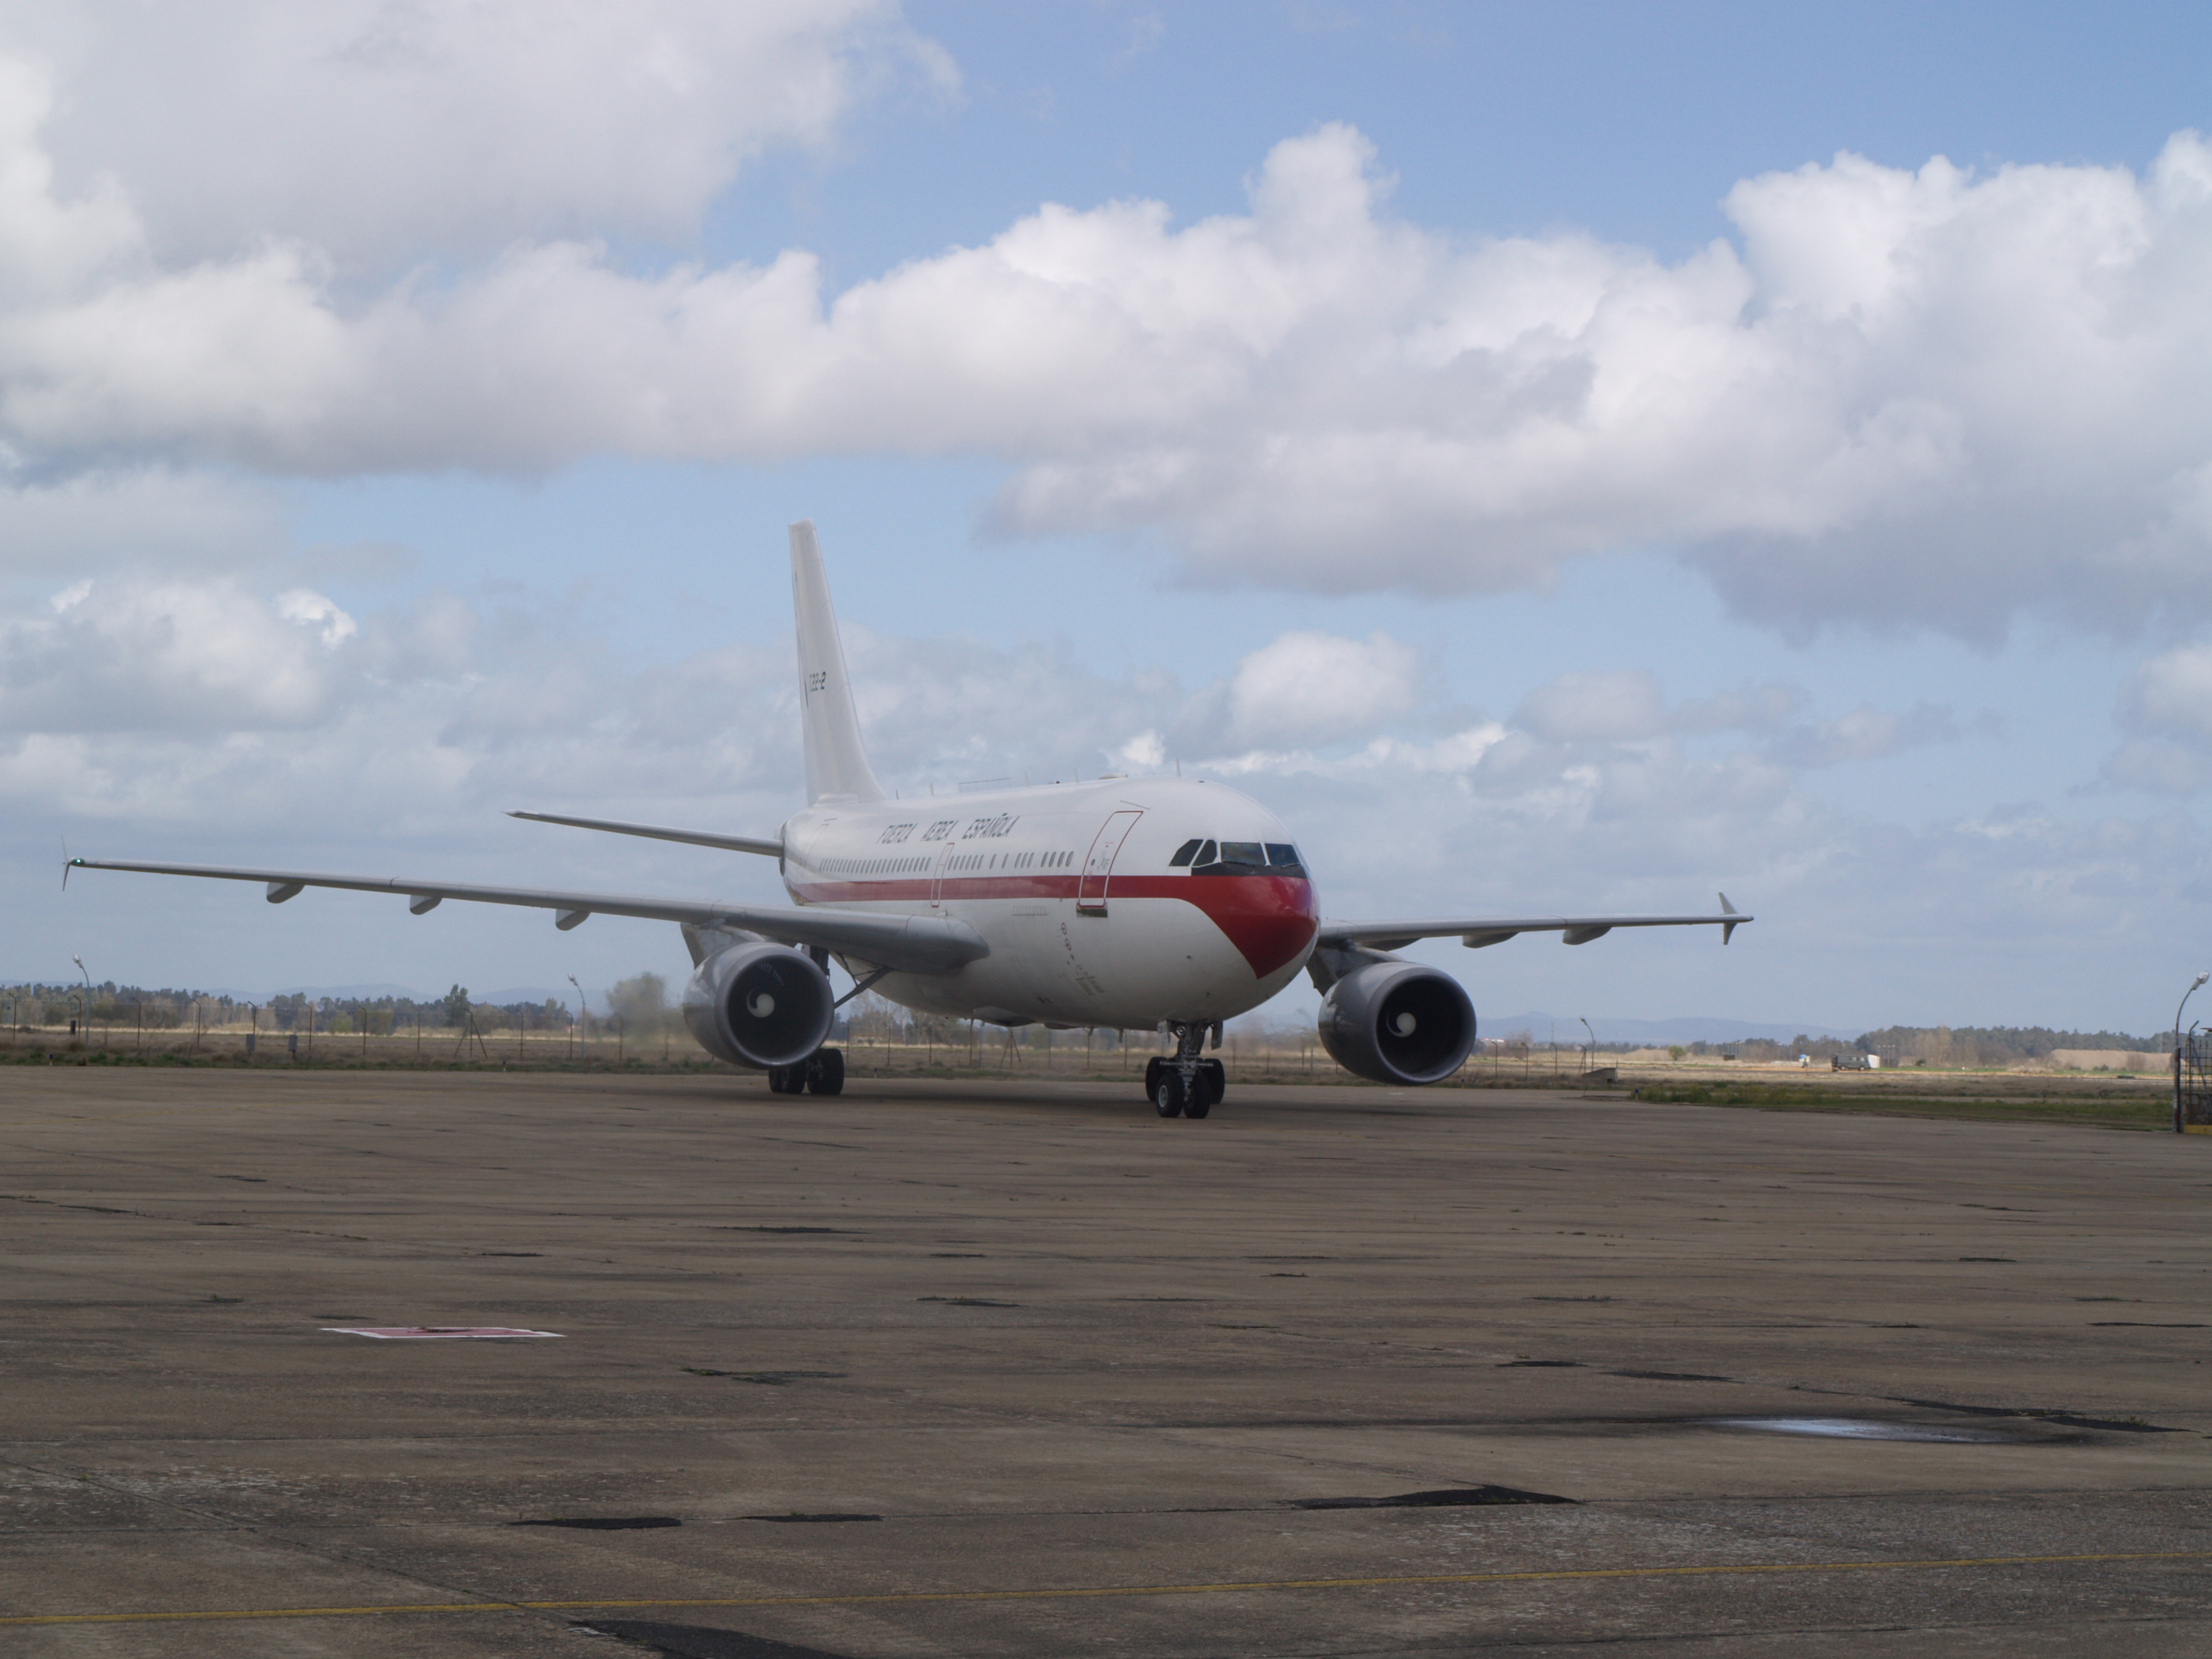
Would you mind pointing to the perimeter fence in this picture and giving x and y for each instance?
(2192, 1084)
(33, 1030)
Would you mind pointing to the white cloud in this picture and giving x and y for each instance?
(1310, 689)
(1909, 398)
(2172, 694)
(1866, 733)
(1145, 752)
(1626, 706)
(108, 517)
(2166, 712)
(1622, 707)
(384, 132)
(162, 656)
(2159, 765)
(301, 605)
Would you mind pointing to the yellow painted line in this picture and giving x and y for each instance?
(1104, 1591)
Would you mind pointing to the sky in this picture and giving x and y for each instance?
(1574, 458)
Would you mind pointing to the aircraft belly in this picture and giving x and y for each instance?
(1153, 956)
(1146, 960)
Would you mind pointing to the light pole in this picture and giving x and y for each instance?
(87, 978)
(1589, 1054)
(580, 1016)
(2177, 1007)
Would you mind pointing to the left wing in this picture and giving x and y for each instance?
(920, 945)
(1476, 931)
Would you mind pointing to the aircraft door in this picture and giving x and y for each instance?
(1091, 891)
(944, 855)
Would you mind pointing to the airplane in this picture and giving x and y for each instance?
(1147, 904)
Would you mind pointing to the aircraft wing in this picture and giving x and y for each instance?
(1477, 931)
(919, 945)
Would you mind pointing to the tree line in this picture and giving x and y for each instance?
(168, 1007)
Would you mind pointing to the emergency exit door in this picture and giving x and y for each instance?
(1091, 891)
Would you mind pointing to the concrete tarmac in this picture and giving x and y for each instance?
(957, 1369)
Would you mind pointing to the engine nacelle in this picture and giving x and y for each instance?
(759, 1005)
(1397, 1022)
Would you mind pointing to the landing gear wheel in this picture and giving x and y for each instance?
(825, 1073)
(1217, 1075)
(1152, 1069)
(1204, 1091)
(1167, 1092)
(781, 1082)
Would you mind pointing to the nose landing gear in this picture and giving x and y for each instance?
(1184, 1084)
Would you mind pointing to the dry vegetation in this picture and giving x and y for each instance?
(638, 1029)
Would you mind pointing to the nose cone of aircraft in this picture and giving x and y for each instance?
(1269, 919)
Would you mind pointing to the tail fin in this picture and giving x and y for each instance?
(836, 766)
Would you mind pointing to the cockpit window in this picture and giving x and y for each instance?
(1241, 858)
(1184, 853)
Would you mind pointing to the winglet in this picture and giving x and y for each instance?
(1727, 928)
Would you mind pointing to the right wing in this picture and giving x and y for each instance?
(913, 945)
(1478, 931)
(772, 849)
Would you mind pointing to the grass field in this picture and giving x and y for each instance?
(2108, 1109)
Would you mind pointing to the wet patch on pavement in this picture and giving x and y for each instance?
(1866, 1428)
(826, 1517)
(698, 1641)
(1446, 1497)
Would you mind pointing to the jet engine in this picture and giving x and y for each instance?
(1397, 1022)
(759, 1005)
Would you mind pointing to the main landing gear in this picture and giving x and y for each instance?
(1183, 1084)
(823, 1073)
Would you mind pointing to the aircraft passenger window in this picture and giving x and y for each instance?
(1184, 853)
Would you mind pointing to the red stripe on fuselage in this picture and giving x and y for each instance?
(1269, 919)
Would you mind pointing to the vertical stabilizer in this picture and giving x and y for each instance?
(836, 766)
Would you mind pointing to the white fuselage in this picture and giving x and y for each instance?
(1077, 888)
